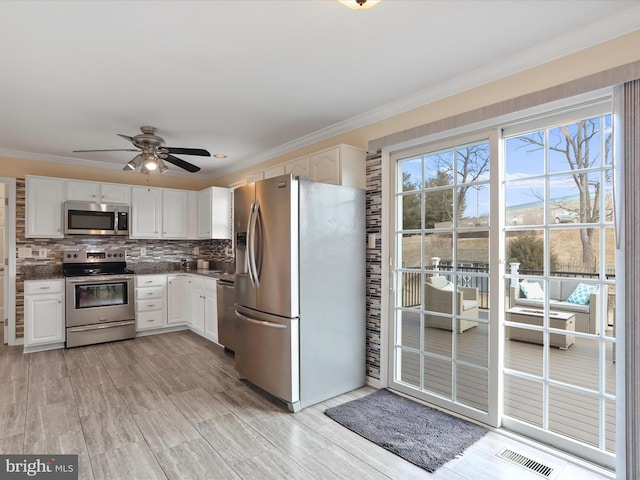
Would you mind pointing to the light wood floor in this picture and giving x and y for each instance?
(171, 406)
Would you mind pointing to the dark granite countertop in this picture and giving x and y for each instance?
(50, 272)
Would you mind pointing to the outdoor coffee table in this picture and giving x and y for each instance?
(532, 316)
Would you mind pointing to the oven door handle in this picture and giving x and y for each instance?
(98, 327)
(99, 279)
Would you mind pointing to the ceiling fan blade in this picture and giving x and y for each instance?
(111, 150)
(189, 167)
(126, 137)
(188, 151)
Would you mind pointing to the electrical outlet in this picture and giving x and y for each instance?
(42, 253)
(25, 252)
(196, 250)
(143, 251)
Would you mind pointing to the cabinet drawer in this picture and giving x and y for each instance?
(150, 280)
(149, 293)
(149, 305)
(34, 287)
(148, 320)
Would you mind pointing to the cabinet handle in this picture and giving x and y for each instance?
(150, 320)
(150, 306)
(45, 288)
(149, 281)
(150, 293)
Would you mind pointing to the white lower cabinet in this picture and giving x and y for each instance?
(210, 310)
(43, 313)
(195, 303)
(175, 300)
(150, 302)
(176, 290)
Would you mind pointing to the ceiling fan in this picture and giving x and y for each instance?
(153, 152)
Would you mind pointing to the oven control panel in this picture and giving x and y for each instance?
(94, 256)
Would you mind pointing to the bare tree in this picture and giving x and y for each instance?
(574, 142)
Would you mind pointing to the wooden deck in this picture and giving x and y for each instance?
(571, 412)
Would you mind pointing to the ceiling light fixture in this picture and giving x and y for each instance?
(149, 161)
(359, 4)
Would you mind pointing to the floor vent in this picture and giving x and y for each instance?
(526, 462)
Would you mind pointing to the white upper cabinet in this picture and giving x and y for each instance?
(146, 212)
(175, 221)
(98, 192)
(214, 213)
(274, 171)
(298, 168)
(114, 193)
(340, 165)
(44, 201)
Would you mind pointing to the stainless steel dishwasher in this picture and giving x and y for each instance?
(226, 314)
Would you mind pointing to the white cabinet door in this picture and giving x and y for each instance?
(298, 168)
(146, 212)
(174, 213)
(214, 213)
(83, 191)
(44, 199)
(115, 193)
(325, 166)
(274, 171)
(98, 192)
(175, 299)
(210, 310)
(43, 312)
(254, 177)
(204, 213)
(195, 303)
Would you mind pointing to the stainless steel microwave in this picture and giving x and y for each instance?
(87, 218)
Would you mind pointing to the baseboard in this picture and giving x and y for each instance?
(374, 382)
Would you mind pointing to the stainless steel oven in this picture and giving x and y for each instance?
(99, 297)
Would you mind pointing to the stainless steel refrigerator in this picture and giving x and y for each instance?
(300, 288)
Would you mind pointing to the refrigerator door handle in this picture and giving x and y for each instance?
(249, 243)
(251, 249)
(260, 322)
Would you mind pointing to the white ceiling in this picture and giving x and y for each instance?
(255, 79)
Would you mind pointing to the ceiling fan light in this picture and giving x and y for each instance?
(149, 161)
(134, 163)
(161, 166)
(359, 4)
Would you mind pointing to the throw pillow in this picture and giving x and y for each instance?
(580, 295)
(448, 287)
(533, 291)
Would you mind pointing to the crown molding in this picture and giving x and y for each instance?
(607, 29)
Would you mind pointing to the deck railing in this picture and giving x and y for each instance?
(411, 281)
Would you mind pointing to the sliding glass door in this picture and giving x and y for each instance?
(503, 266)
(441, 323)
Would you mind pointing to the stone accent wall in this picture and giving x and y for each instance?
(374, 262)
(157, 250)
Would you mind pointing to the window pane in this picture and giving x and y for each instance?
(528, 249)
(473, 203)
(524, 202)
(408, 328)
(438, 208)
(409, 206)
(438, 169)
(437, 376)
(472, 163)
(409, 247)
(411, 169)
(575, 146)
(524, 156)
(438, 250)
